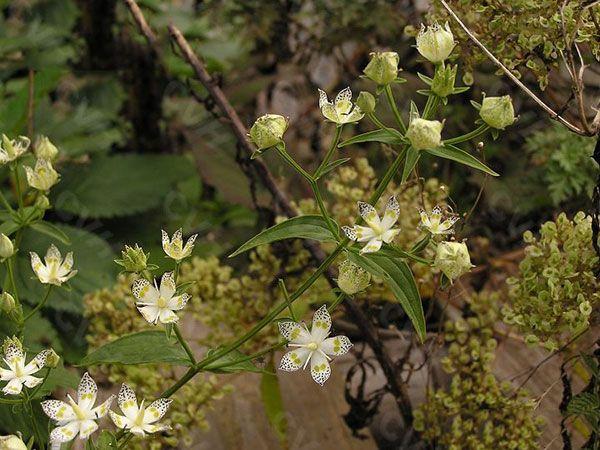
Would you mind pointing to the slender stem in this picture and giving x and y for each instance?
(11, 276)
(329, 154)
(39, 306)
(258, 354)
(321, 204)
(192, 371)
(339, 299)
(128, 437)
(18, 186)
(176, 271)
(376, 121)
(390, 98)
(184, 343)
(466, 137)
(286, 296)
(8, 401)
(36, 431)
(286, 156)
(5, 202)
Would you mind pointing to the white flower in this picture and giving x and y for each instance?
(12, 442)
(77, 417)
(158, 303)
(453, 259)
(19, 373)
(174, 248)
(137, 419)
(55, 271)
(436, 223)
(342, 110)
(435, 43)
(378, 230)
(314, 346)
(11, 149)
(43, 176)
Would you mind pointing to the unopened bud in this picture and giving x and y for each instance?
(8, 302)
(12, 442)
(6, 247)
(453, 259)
(424, 134)
(52, 359)
(435, 43)
(45, 149)
(133, 259)
(42, 202)
(497, 112)
(443, 80)
(352, 278)
(366, 102)
(383, 67)
(268, 131)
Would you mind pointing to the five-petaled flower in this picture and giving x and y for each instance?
(157, 304)
(137, 419)
(314, 346)
(76, 417)
(11, 149)
(378, 230)
(174, 247)
(436, 222)
(55, 271)
(342, 110)
(43, 176)
(19, 373)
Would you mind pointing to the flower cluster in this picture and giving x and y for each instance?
(476, 410)
(556, 290)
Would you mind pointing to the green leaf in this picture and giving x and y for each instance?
(412, 158)
(144, 347)
(384, 135)
(456, 154)
(586, 404)
(59, 377)
(332, 165)
(9, 227)
(399, 278)
(301, 227)
(425, 79)
(120, 185)
(106, 441)
(49, 229)
(270, 393)
(232, 362)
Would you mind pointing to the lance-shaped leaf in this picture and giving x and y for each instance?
(301, 227)
(399, 278)
(384, 135)
(456, 154)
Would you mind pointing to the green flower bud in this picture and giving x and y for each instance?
(443, 81)
(7, 302)
(52, 359)
(352, 278)
(42, 202)
(383, 67)
(435, 43)
(268, 131)
(12, 442)
(366, 102)
(497, 112)
(424, 134)
(133, 259)
(6, 247)
(45, 149)
(453, 259)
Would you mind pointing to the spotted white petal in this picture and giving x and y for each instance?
(336, 346)
(145, 292)
(86, 428)
(167, 285)
(369, 214)
(58, 410)
(120, 421)
(372, 246)
(363, 234)
(127, 402)
(150, 313)
(294, 332)
(343, 101)
(389, 235)
(321, 324)
(319, 368)
(101, 410)
(156, 410)
(86, 392)
(65, 433)
(178, 302)
(323, 100)
(294, 359)
(392, 212)
(13, 387)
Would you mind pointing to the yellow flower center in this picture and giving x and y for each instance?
(312, 346)
(162, 302)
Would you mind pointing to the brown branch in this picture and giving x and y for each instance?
(553, 114)
(143, 26)
(396, 387)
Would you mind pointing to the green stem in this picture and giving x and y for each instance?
(11, 276)
(286, 296)
(466, 137)
(340, 298)
(7, 401)
(252, 356)
(376, 121)
(176, 271)
(125, 441)
(286, 156)
(5, 202)
(18, 186)
(184, 343)
(39, 306)
(192, 371)
(36, 431)
(329, 154)
(321, 204)
(390, 98)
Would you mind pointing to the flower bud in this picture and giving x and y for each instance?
(43, 176)
(366, 102)
(443, 80)
(133, 259)
(497, 112)
(42, 202)
(6, 247)
(45, 149)
(13, 148)
(12, 442)
(52, 359)
(7, 302)
(453, 259)
(435, 43)
(383, 67)
(352, 278)
(268, 131)
(424, 134)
